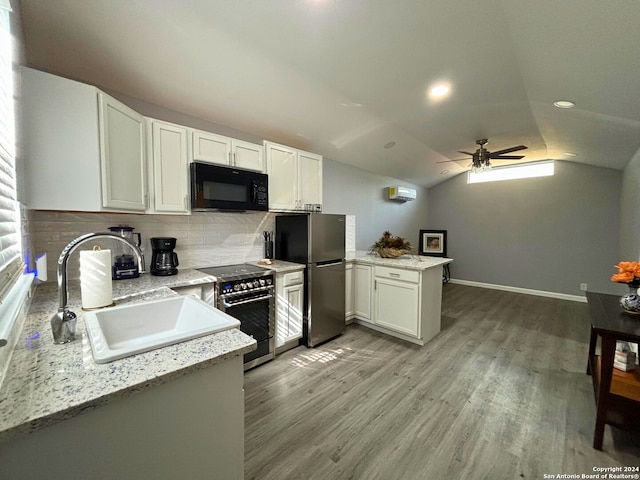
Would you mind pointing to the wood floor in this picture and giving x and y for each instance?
(500, 393)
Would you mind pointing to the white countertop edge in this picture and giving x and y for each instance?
(409, 262)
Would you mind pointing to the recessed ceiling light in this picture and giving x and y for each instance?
(439, 91)
(564, 104)
(570, 154)
(389, 145)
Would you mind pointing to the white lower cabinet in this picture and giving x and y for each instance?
(135, 437)
(397, 305)
(362, 289)
(348, 293)
(289, 306)
(397, 301)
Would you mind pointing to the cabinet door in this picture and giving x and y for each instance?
(310, 178)
(122, 163)
(362, 291)
(289, 304)
(247, 155)
(169, 164)
(294, 295)
(397, 306)
(61, 141)
(212, 148)
(282, 168)
(348, 293)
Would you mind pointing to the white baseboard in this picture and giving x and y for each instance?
(526, 291)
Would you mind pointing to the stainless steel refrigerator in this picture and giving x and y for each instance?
(316, 240)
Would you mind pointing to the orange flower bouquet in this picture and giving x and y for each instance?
(629, 273)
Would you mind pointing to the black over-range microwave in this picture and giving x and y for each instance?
(226, 188)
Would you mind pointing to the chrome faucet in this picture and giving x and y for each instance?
(63, 323)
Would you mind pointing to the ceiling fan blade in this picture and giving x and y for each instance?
(508, 157)
(466, 153)
(507, 150)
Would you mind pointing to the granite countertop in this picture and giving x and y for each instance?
(410, 262)
(47, 383)
(279, 266)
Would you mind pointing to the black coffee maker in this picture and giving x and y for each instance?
(163, 259)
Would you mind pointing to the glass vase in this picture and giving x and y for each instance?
(630, 302)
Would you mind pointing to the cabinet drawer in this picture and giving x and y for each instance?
(398, 274)
(292, 278)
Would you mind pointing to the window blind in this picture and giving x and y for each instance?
(10, 261)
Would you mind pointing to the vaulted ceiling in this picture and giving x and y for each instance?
(344, 78)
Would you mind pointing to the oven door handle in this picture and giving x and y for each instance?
(251, 300)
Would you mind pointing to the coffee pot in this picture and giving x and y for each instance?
(163, 259)
(124, 263)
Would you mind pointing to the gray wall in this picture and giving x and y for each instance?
(353, 191)
(547, 233)
(630, 211)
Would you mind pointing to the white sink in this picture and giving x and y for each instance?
(123, 331)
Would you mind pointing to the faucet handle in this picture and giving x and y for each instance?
(63, 326)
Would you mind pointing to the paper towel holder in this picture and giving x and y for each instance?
(96, 248)
(63, 322)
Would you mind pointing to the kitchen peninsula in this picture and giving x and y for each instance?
(174, 412)
(400, 296)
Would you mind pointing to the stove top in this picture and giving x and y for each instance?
(232, 272)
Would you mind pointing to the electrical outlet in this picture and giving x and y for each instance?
(583, 287)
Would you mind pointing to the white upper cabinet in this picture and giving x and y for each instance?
(214, 148)
(123, 160)
(247, 155)
(282, 168)
(310, 178)
(83, 150)
(295, 177)
(168, 168)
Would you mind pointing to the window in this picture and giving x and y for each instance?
(13, 285)
(511, 172)
(10, 261)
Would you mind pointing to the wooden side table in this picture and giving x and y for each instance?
(617, 393)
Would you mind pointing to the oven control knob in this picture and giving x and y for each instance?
(268, 281)
(256, 284)
(243, 286)
(262, 282)
(236, 287)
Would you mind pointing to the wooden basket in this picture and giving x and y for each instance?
(391, 252)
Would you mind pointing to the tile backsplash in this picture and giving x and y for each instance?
(203, 238)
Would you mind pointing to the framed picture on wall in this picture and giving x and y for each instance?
(433, 243)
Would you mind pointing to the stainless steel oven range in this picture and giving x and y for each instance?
(246, 292)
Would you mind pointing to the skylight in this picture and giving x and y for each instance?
(511, 172)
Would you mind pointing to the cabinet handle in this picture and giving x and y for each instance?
(375, 284)
(394, 274)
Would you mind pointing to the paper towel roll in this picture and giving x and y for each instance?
(95, 278)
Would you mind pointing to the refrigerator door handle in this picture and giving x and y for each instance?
(329, 263)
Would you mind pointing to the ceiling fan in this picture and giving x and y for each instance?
(482, 157)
